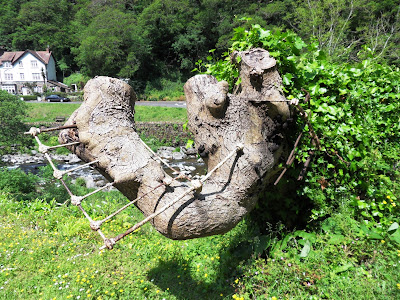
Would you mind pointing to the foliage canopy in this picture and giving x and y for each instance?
(150, 39)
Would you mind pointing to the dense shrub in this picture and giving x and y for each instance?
(12, 112)
(353, 110)
(29, 97)
(15, 182)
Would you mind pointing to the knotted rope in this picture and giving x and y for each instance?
(195, 186)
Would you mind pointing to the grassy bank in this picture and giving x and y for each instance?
(47, 112)
(49, 252)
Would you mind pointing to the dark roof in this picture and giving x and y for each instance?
(43, 56)
(60, 84)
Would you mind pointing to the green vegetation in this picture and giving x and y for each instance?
(76, 78)
(17, 184)
(164, 89)
(47, 112)
(333, 235)
(353, 109)
(160, 114)
(150, 41)
(12, 112)
(49, 251)
(29, 97)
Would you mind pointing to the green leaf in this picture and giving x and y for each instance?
(342, 269)
(306, 249)
(263, 243)
(287, 78)
(395, 237)
(299, 44)
(372, 235)
(189, 144)
(336, 239)
(393, 227)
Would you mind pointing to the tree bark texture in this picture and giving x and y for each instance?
(251, 116)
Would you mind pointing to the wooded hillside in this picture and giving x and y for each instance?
(157, 41)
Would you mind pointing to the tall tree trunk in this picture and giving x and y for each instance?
(251, 117)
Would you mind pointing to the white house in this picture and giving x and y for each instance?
(22, 72)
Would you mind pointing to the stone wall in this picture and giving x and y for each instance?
(167, 132)
(172, 133)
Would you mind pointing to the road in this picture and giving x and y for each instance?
(180, 104)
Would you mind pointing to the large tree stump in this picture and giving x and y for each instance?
(252, 116)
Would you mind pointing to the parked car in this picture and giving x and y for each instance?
(56, 98)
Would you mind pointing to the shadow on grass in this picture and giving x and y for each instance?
(185, 286)
(278, 213)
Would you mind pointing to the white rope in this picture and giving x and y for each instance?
(196, 185)
(59, 174)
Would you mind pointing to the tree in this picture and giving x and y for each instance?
(241, 133)
(105, 43)
(42, 23)
(8, 11)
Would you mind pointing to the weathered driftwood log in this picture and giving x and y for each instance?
(252, 116)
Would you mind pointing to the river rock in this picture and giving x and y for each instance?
(90, 183)
(178, 155)
(190, 151)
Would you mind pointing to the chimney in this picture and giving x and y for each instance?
(48, 48)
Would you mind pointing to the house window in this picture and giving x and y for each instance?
(7, 64)
(22, 76)
(34, 63)
(8, 76)
(36, 76)
(9, 89)
(20, 64)
(38, 89)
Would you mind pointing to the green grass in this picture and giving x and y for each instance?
(48, 252)
(47, 112)
(160, 114)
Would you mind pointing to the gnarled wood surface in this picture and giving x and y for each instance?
(219, 120)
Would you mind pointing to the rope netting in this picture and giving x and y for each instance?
(109, 242)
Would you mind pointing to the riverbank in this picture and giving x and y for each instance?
(181, 159)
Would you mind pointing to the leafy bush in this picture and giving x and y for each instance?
(353, 109)
(51, 188)
(15, 182)
(29, 97)
(76, 78)
(12, 112)
(164, 90)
